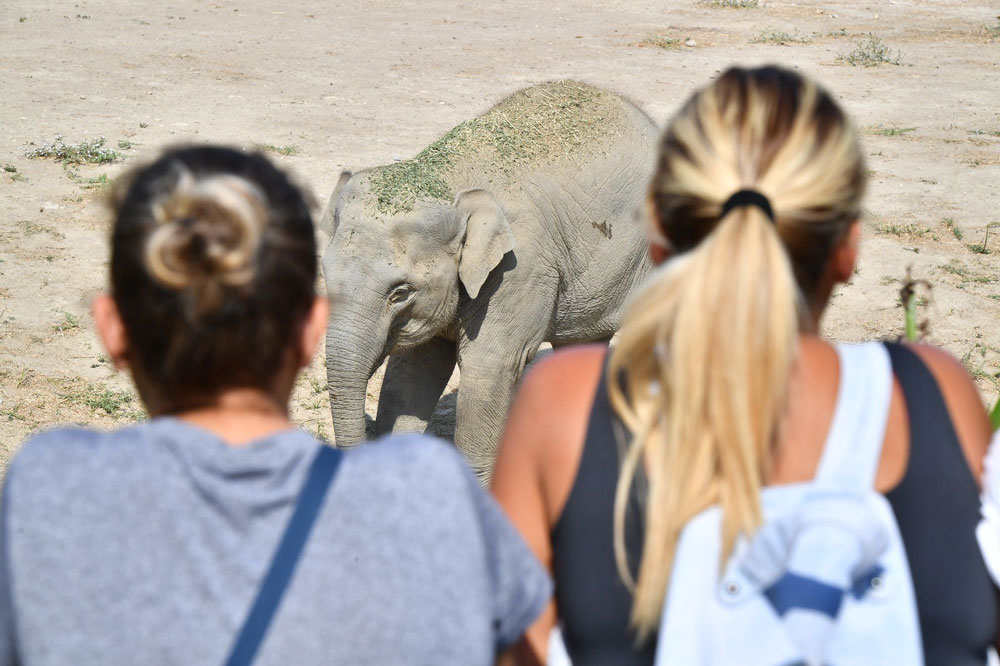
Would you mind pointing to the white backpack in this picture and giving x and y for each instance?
(825, 581)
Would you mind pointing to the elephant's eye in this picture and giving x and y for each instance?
(400, 293)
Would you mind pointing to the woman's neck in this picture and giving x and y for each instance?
(239, 416)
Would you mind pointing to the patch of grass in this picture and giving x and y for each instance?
(70, 321)
(909, 230)
(13, 413)
(319, 432)
(870, 52)
(731, 4)
(950, 223)
(30, 228)
(122, 404)
(317, 385)
(290, 149)
(838, 34)
(661, 42)
(544, 122)
(977, 368)
(966, 275)
(881, 130)
(93, 151)
(780, 37)
(100, 182)
(980, 132)
(13, 173)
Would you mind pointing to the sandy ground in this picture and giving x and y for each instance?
(348, 85)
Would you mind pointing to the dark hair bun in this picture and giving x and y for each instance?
(207, 233)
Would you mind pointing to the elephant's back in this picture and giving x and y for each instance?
(541, 128)
(553, 122)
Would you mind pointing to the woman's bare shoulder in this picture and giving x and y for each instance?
(570, 372)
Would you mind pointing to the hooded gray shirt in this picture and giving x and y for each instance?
(147, 545)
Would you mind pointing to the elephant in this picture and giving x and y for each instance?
(515, 228)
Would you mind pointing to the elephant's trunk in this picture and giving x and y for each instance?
(352, 356)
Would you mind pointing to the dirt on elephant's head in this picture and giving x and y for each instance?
(536, 125)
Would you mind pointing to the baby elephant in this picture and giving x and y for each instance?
(515, 228)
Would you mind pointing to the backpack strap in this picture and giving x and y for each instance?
(272, 589)
(854, 444)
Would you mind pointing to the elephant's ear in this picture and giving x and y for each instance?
(488, 237)
(328, 222)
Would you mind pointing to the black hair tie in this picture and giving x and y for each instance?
(748, 198)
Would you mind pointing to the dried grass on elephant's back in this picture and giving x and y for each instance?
(538, 124)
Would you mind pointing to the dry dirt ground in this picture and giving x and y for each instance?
(335, 85)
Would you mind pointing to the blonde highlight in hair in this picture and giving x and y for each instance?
(207, 232)
(707, 346)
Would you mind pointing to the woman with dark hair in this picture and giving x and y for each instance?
(217, 532)
(720, 393)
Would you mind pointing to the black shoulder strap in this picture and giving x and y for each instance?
(925, 405)
(321, 473)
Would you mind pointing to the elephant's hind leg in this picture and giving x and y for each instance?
(414, 381)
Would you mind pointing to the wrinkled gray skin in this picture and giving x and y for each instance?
(548, 253)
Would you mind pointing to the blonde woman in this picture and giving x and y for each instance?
(217, 532)
(721, 386)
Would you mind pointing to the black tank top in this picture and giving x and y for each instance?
(936, 507)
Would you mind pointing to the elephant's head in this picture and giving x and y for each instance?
(395, 280)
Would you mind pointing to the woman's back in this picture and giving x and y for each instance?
(955, 600)
(149, 544)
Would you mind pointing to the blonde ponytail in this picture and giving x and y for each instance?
(707, 347)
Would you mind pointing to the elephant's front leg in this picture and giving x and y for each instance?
(485, 391)
(414, 380)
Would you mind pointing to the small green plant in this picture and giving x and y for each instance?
(113, 402)
(995, 415)
(22, 19)
(979, 132)
(870, 52)
(100, 182)
(950, 223)
(914, 330)
(278, 150)
(317, 385)
(780, 37)
(70, 321)
(85, 152)
(10, 168)
(661, 42)
(888, 131)
(984, 247)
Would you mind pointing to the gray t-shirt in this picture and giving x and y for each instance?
(147, 546)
